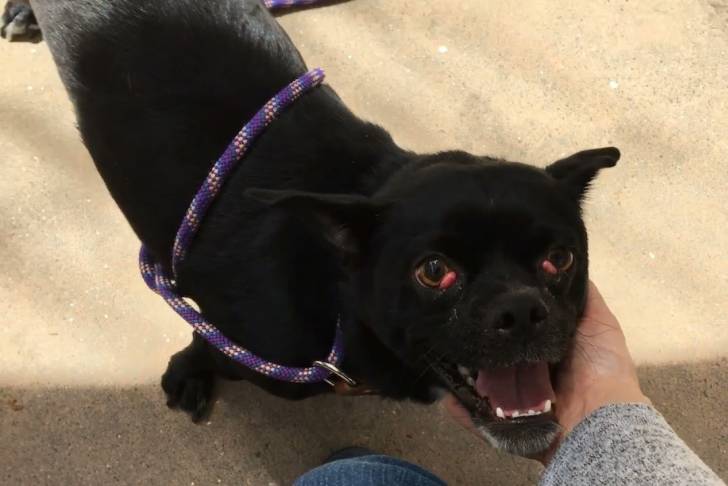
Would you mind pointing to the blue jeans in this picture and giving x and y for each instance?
(371, 470)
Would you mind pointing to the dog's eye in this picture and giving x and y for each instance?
(558, 260)
(435, 273)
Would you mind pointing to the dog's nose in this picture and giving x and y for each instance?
(520, 312)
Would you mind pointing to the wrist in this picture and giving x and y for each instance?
(597, 397)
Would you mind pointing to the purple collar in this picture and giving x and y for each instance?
(165, 285)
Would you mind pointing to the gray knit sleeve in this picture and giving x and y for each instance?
(626, 444)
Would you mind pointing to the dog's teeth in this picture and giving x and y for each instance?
(499, 413)
(463, 370)
(531, 412)
(547, 406)
(470, 381)
(516, 414)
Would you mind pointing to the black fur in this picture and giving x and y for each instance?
(325, 216)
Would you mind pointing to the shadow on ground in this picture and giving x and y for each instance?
(127, 436)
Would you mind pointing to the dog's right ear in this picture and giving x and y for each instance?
(343, 220)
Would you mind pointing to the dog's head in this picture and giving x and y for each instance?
(473, 272)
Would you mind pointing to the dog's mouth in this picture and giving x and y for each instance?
(521, 394)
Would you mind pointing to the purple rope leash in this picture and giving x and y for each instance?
(271, 4)
(158, 280)
(229, 159)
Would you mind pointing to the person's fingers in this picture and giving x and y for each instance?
(599, 324)
(595, 304)
(457, 411)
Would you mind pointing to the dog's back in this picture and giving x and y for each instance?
(161, 88)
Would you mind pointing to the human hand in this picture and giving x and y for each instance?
(599, 370)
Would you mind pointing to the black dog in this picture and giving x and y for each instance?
(451, 271)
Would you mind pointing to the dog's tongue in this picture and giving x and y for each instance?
(521, 387)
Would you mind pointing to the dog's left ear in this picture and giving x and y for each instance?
(577, 171)
(343, 220)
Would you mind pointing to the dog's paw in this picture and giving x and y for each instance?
(19, 22)
(187, 388)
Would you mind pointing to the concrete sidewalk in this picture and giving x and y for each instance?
(83, 342)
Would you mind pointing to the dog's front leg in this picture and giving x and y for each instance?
(189, 379)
